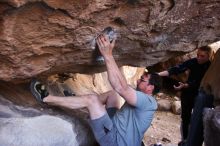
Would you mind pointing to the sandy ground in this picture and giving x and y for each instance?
(164, 129)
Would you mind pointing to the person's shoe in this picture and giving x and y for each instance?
(38, 90)
(68, 93)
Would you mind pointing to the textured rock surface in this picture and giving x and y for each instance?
(36, 131)
(164, 105)
(28, 124)
(211, 80)
(43, 37)
(176, 107)
(212, 126)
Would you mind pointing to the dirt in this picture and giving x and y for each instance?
(165, 129)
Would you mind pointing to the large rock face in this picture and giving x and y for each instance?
(211, 85)
(211, 80)
(43, 37)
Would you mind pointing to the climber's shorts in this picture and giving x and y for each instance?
(104, 131)
(111, 111)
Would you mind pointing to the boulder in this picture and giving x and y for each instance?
(46, 37)
(176, 107)
(164, 105)
(211, 80)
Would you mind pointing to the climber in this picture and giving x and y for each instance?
(112, 125)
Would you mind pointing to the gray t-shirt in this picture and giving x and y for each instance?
(132, 121)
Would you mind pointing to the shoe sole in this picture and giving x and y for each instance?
(34, 90)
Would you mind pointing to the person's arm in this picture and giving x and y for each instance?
(117, 80)
(163, 73)
(181, 68)
(177, 70)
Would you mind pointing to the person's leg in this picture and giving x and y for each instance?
(112, 102)
(110, 99)
(196, 122)
(185, 116)
(91, 102)
(101, 124)
(187, 102)
(195, 136)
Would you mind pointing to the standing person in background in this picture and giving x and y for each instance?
(197, 68)
(203, 100)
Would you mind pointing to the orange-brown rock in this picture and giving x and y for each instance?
(44, 37)
(211, 80)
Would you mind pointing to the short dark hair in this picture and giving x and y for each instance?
(155, 80)
(209, 50)
(205, 48)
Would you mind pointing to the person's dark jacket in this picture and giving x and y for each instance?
(196, 73)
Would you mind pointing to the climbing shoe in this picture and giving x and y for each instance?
(38, 90)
